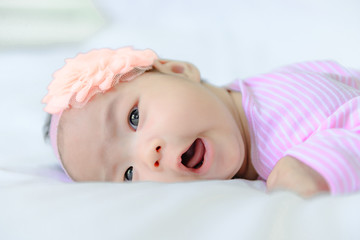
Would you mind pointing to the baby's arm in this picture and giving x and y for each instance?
(291, 174)
(332, 154)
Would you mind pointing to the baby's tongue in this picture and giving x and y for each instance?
(195, 154)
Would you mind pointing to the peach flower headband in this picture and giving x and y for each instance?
(88, 74)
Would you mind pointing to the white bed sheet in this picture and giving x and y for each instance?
(226, 39)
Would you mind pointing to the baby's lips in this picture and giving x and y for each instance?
(196, 160)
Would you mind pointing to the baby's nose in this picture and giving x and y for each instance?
(151, 154)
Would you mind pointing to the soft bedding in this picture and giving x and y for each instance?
(226, 40)
(34, 207)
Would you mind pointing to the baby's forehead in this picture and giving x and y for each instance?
(86, 119)
(100, 101)
(79, 132)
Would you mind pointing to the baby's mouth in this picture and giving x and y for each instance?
(194, 156)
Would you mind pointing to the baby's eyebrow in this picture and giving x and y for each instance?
(110, 120)
(110, 131)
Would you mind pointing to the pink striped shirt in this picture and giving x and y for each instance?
(310, 111)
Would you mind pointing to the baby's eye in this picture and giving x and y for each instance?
(134, 118)
(128, 174)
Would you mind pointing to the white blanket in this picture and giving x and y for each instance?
(225, 39)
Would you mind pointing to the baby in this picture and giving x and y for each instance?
(125, 115)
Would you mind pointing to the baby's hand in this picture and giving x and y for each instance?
(291, 174)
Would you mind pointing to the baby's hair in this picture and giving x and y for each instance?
(46, 128)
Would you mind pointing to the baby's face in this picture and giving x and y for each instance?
(158, 127)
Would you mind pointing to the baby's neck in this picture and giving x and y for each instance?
(233, 100)
(247, 171)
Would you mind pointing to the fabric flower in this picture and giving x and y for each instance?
(96, 71)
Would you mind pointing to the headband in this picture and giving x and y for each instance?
(90, 73)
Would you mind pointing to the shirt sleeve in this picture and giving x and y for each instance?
(334, 154)
(329, 68)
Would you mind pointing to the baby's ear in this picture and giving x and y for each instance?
(177, 68)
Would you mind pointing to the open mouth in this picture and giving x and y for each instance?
(194, 156)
